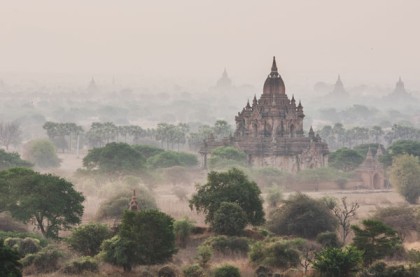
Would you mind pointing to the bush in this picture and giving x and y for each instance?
(302, 216)
(328, 239)
(148, 151)
(5, 235)
(81, 265)
(229, 219)
(204, 254)
(9, 262)
(274, 197)
(23, 246)
(9, 160)
(170, 158)
(182, 229)
(405, 176)
(345, 159)
(46, 260)
(42, 153)
(228, 245)
(87, 239)
(226, 156)
(382, 270)
(194, 270)
(277, 253)
(116, 205)
(338, 262)
(227, 271)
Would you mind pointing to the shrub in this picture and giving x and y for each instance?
(182, 229)
(147, 151)
(229, 219)
(5, 235)
(42, 153)
(170, 158)
(194, 270)
(274, 197)
(227, 271)
(87, 239)
(81, 265)
(23, 246)
(405, 176)
(9, 262)
(46, 260)
(228, 245)
(302, 216)
(345, 159)
(338, 262)
(328, 239)
(204, 254)
(226, 156)
(9, 160)
(382, 270)
(116, 205)
(277, 253)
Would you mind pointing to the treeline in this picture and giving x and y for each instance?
(338, 136)
(70, 136)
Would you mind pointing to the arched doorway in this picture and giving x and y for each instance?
(292, 131)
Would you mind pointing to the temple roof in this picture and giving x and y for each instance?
(274, 83)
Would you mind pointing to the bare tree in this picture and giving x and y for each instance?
(9, 133)
(344, 213)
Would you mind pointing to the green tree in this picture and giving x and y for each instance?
(182, 229)
(171, 158)
(345, 159)
(231, 186)
(401, 147)
(9, 160)
(9, 262)
(50, 202)
(87, 239)
(144, 238)
(302, 216)
(405, 176)
(227, 156)
(42, 153)
(114, 158)
(338, 262)
(229, 219)
(376, 240)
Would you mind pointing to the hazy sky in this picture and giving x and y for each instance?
(366, 41)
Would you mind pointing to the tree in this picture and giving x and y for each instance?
(376, 240)
(9, 134)
(227, 156)
(302, 216)
(231, 186)
(144, 238)
(9, 160)
(344, 215)
(9, 262)
(399, 148)
(182, 229)
(405, 176)
(114, 158)
(171, 158)
(87, 239)
(338, 262)
(42, 153)
(48, 201)
(227, 271)
(229, 219)
(222, 129)
(345, 159)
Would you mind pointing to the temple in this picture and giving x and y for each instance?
(270, 131)
(371, 173)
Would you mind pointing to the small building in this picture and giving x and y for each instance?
(371, 172)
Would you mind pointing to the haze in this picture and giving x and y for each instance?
(190, 42)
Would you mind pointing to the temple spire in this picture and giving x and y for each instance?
(133, 205)
(274, 66)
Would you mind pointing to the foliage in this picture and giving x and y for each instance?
(80, 265)
(42, 153)
(115, 206)
(405, 176)
(401, 147)
(328, 239)
(376, 240)
(47, 200)
(114, 158)
(227, 271)
(46, 260)
(9, 160)
(277, 253)
(226, 156)
(338, 262)
(229, 219)
(194, 270)
(274, 197)
(9, 265)
(9, 224)
(413, 256)
(362, 149)
(230, 186)
(228, 245)
(382, 270)
(147, 151)
(402, 219)
(182, 229)
(302, 216)
(10, 133)
(22, 235)
(23, 246)
(204, 254)
(145, 237)
(87, 239)
(57, 133)
(171, 158)
(345, 159)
